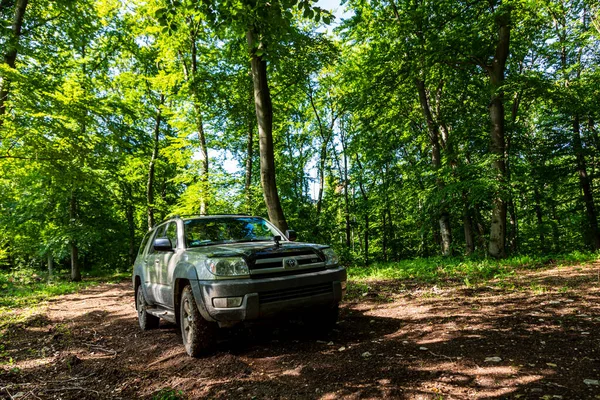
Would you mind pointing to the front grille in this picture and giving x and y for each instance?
(286, 273)
(295, 293)
(274, 260)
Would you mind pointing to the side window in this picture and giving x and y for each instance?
(144, 243)
(171, 233)
(159, 232)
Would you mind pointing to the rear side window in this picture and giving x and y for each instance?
(144, 243)
(171, 233)
(158, 233)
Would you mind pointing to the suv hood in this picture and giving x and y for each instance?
(251, 250)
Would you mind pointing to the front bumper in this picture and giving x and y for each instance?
(269, 297)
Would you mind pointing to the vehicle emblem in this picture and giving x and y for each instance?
(290, 263)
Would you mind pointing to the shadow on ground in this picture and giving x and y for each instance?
(422, 343)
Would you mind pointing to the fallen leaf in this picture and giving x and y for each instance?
(366, 354)
(342, 348)
(552, 365)
(591, 382)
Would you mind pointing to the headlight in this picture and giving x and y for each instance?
(227, 266)
(330, 257)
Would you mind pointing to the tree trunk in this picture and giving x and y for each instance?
(75, 272)
(344, 176)
(540, 221)
(498, 144)
(130, 226)
(468, 227)
(10, 57)
(264, 118)
(204, 178)
(555, 231)
(584, 182)
(436, 162)
(249, 156)
(322, 159)
(366, 238)
(50, 265)
(151, 167)
(384, 234)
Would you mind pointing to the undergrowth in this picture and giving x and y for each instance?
(470, 271)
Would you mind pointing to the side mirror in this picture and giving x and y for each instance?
(291, 235)
(163, 244)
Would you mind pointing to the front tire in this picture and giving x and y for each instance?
(199, 336)
(146, 321)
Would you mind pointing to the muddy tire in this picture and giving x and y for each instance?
(199, 336)
(146, 321)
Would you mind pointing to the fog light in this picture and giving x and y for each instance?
(344, 285)
(227, 302)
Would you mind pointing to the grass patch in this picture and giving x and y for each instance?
(469, 271)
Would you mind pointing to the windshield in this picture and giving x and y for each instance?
(207, 231)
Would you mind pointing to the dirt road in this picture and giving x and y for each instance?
(537, 336)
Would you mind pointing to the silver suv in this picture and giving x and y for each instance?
(203, 273)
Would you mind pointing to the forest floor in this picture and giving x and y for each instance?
(535, 335)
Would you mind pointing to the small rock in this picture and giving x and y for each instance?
(551, 365)
(405, 342)
(342, 348)
(330, 344)
(554, 302)
(591, 382)
(423, 348)
(366, 354)
(585, 333)
(493, 359)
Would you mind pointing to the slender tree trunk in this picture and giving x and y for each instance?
(555, 231)
(348, 229)
(384, 235)
(249, 157)
(204, 178)
(10, 57)
(468, 227)
(539, 217)
(50, 265)
(498, 144)
(191, 77)
(75, 271)
(436, 162)
(586, 187)
(130, 225)
(322, 159)
(264, 118)
(151, 166)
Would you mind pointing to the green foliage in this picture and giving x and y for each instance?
(441, 270)
(104, 92)
(168, 394)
